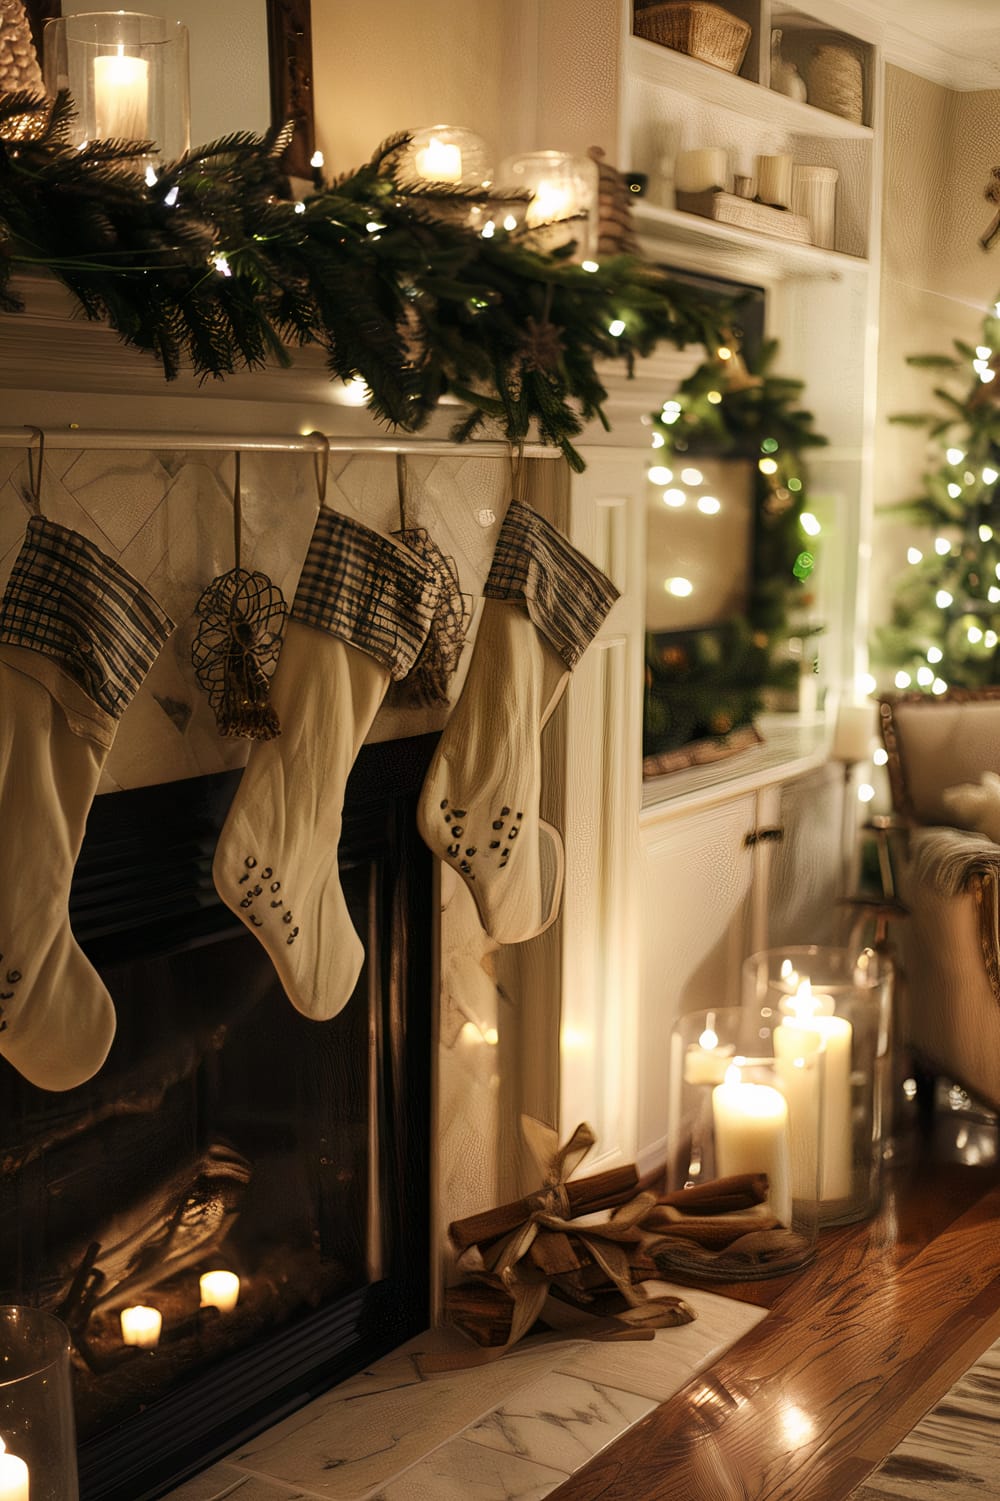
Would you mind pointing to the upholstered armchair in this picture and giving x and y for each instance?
(944, 761)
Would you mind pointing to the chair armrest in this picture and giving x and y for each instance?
(950, 860)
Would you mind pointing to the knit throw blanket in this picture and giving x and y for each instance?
(950, 859)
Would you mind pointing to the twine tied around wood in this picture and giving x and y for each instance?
(606, 1238)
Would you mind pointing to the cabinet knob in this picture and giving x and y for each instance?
(763, 836)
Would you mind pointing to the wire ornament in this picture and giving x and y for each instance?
(427, 683)
(237, 645)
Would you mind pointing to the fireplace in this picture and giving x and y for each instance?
(226, 1131)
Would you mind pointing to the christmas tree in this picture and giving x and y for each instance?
(942, 631)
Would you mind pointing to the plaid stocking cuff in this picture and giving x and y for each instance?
(69, 601)
(358, 585)
(566, 596)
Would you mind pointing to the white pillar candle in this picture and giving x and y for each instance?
(552, 201)
(121, 97)
(852, 736)
(141, 1326)
(13, 1476)
(439, 161)
(793, 1044)
(774, 179)
(811, 1025)
(219, 1290)
(706, 1065)
(701, 170)
(751, 1136)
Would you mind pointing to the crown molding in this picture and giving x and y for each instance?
(961, 71)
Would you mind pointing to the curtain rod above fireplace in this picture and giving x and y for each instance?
(149, 438)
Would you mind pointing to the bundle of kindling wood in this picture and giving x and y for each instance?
(604, 1246)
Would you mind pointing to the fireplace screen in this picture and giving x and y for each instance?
(226, 1133)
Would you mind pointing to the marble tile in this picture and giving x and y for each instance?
(366, 1431)
(462, 1471)
(954, 1451)
(223, 1483)
(660, 1367)
(512, 1428)
(560, 1420)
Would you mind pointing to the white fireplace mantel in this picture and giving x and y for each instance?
(549, 1027)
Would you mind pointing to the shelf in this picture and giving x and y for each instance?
(667, 69)
(790, 749)
(761, 254)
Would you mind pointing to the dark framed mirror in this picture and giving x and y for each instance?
(266, 57)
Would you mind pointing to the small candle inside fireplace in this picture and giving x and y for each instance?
(219, 1290)
(13, 1476)
(141, 1326)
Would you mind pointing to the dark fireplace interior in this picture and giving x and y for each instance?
(226, 1131)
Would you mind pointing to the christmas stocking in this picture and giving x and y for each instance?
(479, 807)
(361, 613)
(77, 636)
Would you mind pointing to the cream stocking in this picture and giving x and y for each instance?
(479, 807)
(361, 613)
(77, 636)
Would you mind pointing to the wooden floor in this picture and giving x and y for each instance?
(856, 1348)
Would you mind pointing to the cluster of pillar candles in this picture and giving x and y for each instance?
(782, 1100)
(780, 1131)
(141, 1326)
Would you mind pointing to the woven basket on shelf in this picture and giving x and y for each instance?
(836, 81)
(698, 29)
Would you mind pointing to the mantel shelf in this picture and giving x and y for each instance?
(763, 254)
(59, 370)
(668, 69)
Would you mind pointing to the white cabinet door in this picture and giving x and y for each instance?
(697, 883)
(804, 879)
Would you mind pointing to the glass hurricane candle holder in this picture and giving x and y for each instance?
(128, 75)
(843, 999)
(449, 156)
(744, 1110)
(37, 1430)
(563, 201)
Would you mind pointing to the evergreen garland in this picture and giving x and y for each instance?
(707, 683)
(212, 265)
(942, 631)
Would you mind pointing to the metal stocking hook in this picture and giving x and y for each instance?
(321, 465)
(34, 498)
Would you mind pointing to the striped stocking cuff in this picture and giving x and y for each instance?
(69, 601)
(566, 596)
(358, 585)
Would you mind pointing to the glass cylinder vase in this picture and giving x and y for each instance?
(449, 157)
(843, 999)
(563, 200)
(745, 1132)
(36, 1408)
(128, 75)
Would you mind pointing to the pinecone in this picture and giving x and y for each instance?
(18, 64)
